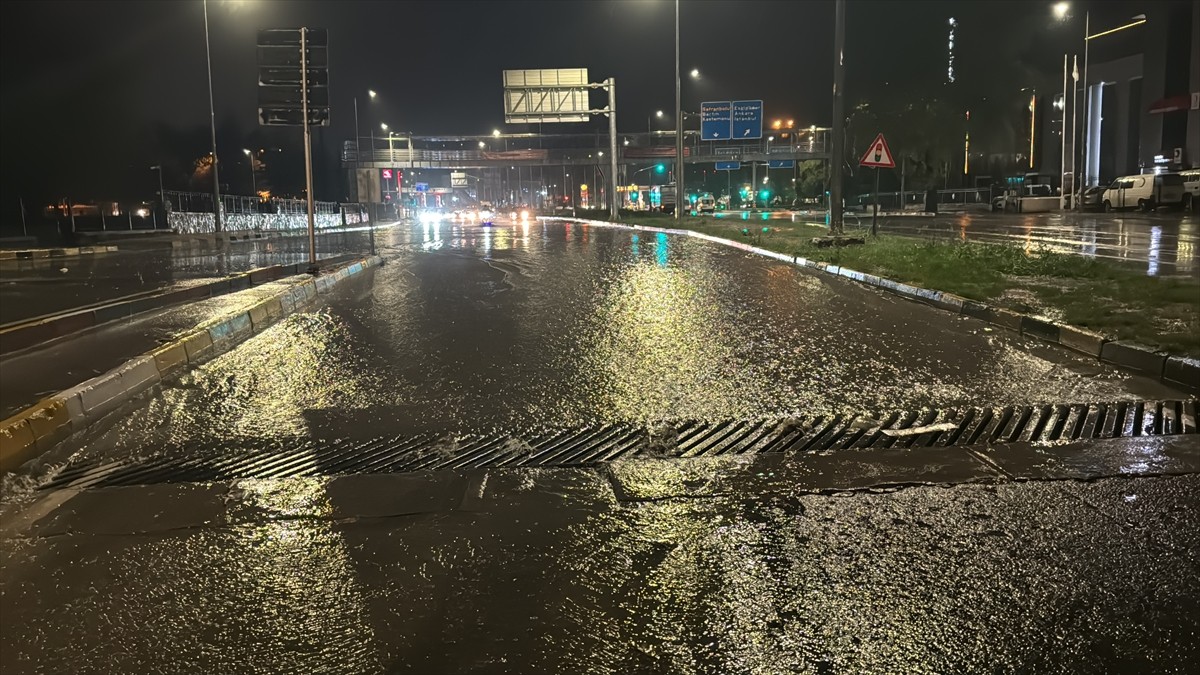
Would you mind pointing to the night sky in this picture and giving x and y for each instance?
(96, 92)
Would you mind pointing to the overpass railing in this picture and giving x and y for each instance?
(579, 147)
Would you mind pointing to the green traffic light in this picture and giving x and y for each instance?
(660, 168)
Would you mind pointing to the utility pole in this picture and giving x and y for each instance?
(213, 128)
(312, 229)
(837, 158)
(679, 172)
(614, 201)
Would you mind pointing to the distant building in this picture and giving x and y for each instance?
(1144, 107)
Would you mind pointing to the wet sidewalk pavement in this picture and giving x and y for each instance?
(909, 560)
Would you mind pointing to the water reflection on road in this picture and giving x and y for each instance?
(1167, 243)
(535, 325)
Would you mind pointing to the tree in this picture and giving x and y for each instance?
(926, 136)
(201, 180)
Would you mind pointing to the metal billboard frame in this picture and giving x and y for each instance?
(561, 95)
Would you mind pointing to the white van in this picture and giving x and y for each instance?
(706, 204)
(1191, 189)
(1145, 192)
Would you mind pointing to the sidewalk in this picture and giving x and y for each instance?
(901, 561)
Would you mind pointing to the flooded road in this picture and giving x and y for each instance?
(528, 326)
(906, 559)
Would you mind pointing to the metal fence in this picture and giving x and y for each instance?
(201, 202)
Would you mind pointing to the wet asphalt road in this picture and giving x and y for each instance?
(727, 565)
(30, 288)
(525, 327)
(1159, 243)
(645, 567)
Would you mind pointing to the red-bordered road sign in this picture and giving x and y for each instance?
(878, 155)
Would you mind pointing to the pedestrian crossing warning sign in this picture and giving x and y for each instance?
(878, 155)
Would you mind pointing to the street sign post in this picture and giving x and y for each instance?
(293, 90)
(747, 119)
(878, 156)
(716, 120)
(562, 95)
(728, 166)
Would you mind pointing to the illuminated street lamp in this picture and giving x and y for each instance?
(649, 128)
(212, 115)
(1087, 40)
(253, 184)
(695, 73)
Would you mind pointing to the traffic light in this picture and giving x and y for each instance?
(660, 168)
(764, 194)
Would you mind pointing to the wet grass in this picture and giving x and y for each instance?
(1115, 299)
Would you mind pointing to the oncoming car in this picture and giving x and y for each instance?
(487, 217)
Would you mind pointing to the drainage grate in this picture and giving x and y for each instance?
(597, 444)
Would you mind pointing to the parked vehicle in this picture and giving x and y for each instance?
(1191, 189)
(1092, 198)
(1145, 192)
(1010, 200)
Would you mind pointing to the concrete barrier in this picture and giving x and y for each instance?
(1134, 356)
(1183, 371)
(1081, 340)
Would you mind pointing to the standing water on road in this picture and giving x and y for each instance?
(532, 325)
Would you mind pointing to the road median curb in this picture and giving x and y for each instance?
(1178, 371)
(54, 419)
(39, 253)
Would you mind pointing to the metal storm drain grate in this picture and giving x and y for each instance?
(598, 444)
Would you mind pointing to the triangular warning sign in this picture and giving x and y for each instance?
(878, 155)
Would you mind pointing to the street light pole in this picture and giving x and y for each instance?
(679, 173)
(253, 180)
(357, 150)
(1062, 162)
(162, 195)
(212, 115)
(1087, 99)
(838, 150)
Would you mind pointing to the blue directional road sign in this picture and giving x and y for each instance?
(728, 166)
(747, 119)
(422, 187)
(715, 120)
(781, 163)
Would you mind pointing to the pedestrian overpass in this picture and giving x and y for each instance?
(512, 150)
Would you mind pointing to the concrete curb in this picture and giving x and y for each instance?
(1178, 371)
(37, 253)
(54, 419)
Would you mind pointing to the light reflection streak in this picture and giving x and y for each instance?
(294, 571)
(1155, 249)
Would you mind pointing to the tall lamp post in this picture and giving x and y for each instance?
(162, 195)
(358, 143)
(1087, 98)
(679, 174)
(253, 180)
(212, 115)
